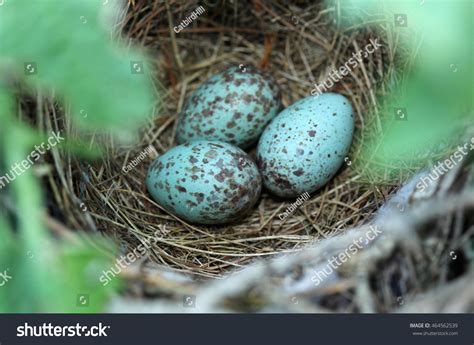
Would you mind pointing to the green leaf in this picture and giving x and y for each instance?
(61, 46)
(64, 46)
(434, 55)
(82, 265)
(67, 272)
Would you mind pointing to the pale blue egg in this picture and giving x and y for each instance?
(305, 145)
(233, 106)
(205, 182)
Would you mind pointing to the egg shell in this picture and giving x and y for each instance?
(305, 145)
(205, 182)
(233, 106)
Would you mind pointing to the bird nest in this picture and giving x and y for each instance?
(299, 44)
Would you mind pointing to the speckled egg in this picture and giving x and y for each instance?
(233, 106)
(305, 145)
(205, 182)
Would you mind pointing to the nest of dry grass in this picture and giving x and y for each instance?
(299, 44)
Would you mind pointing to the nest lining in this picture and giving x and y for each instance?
(298, 53)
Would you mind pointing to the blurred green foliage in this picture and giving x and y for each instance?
(60, 47)
(431, 79)
(74, 55)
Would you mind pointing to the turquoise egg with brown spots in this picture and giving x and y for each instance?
(205, 182)
(306, 144)
(233, 106)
